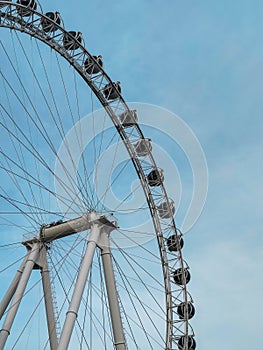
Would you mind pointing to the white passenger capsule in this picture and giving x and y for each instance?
(143, 147)
(129, 118)
(47, 26)
(155, 177)
(71, 44)
(30, 4)
(186, 342)
(166, 209)
(112, 91)
(91, 67)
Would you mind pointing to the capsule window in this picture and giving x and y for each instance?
(187, 342)
(112, 91)
(30, 4)
(69, 43)
(92, 67)
(143, 147)
(166, 209)
(175, 243)
(186, 310)
(129, 118)
(155, 177)
(181, 276)
(50, 27)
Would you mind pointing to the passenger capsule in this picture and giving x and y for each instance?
(71, 44)
(181, 276)
(112, 91)
(30, 4)
(166, 209)
(186, 312)
(143, 147)
(187, 342)
(174, 244)
(47, 26)
(91, 67)
(155, 177)
(129, 118)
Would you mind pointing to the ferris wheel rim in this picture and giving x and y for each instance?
(41, 35)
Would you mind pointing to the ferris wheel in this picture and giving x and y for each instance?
(88, 275)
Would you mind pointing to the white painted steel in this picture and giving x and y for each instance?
(79, 287)
(5, 331)
(117, 326)
(11, 290)
(51, 322)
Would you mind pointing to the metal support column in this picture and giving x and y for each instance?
(51, 322)
(32, 257)
(117, 326)
(79, 287)
(12, 288)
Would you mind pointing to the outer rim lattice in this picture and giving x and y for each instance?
(175, 294)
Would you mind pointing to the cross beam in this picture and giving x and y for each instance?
(49, 233)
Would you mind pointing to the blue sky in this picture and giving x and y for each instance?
(203, 61)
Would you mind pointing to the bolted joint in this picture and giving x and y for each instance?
(5, 330)
(72, 312)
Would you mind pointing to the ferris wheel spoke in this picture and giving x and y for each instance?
(80, 144)
(42, 133)
(57, 123)
(143, 248)
(21, 160)
(26, 175)
(16, 184)
(86, 183)
(29, 180)
(139, 321)
(40, 128)
(30, 319)
(60, 127)
(151, 295)
(14, 204)
(26, 204)
(130, 333)
(12, 175)
(73, 194)
(95, 320)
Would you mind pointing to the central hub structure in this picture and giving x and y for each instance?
(100, 227)
(60, 229)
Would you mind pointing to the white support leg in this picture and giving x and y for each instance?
(5, 331)
(117, 326)
(51, 322)
(79, 287)
(12, 288)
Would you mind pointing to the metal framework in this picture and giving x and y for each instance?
(100, 228)
(176, 294)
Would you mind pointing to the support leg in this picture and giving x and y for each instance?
(116, 321)
(5, 331)
(11, 290)
(51, 323)
(79, 288)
